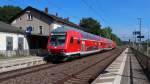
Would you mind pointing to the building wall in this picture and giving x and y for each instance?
(37, 21)
(15, 37)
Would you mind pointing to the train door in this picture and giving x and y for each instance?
(83, 46)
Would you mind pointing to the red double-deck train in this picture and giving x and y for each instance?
(64, 43)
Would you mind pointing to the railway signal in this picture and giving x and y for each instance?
(136, 33)
(140, 37)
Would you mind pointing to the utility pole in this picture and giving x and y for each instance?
(148, 45)
(140, 22)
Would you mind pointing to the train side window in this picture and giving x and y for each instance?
(71, 40)
(78, 41)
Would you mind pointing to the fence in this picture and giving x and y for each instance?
(143, 48)
(143, 59)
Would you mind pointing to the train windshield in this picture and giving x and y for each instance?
(58, 39)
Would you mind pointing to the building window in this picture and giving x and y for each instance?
(20, 28)
(20, 43)
(9, 43)
(30, 17)
(41, 29)
(71, 40)
(78, 41)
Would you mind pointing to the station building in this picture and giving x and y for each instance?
(40, 24)
(12, 41)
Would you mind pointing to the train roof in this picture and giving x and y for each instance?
(84, 34)
(106, 40)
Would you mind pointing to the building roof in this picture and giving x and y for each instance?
(55, 18)
(8, 28)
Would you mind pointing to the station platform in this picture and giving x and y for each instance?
(21, 62)
(124, 70)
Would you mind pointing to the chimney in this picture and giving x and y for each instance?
(67, 19)
(57, 14)
(46, 10)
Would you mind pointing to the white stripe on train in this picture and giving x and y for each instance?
(86, 52)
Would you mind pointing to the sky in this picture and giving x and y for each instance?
(120, 15)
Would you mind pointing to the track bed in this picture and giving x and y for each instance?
(80, 71)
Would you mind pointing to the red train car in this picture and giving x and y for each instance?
(113, 45)
(69, 42)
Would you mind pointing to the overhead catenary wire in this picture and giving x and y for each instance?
(95, 11)
(101, 10)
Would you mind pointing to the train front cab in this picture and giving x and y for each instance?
(64, 45)
(56, 45)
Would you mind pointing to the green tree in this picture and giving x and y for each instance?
(7, 12)
(93, 26)
(90, 25)
(116, 39)
(106, 32)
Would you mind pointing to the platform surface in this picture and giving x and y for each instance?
(21, 62)
(124, 70)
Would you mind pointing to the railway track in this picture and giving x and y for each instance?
(88, 74)
(16, 73)
(77, 71)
